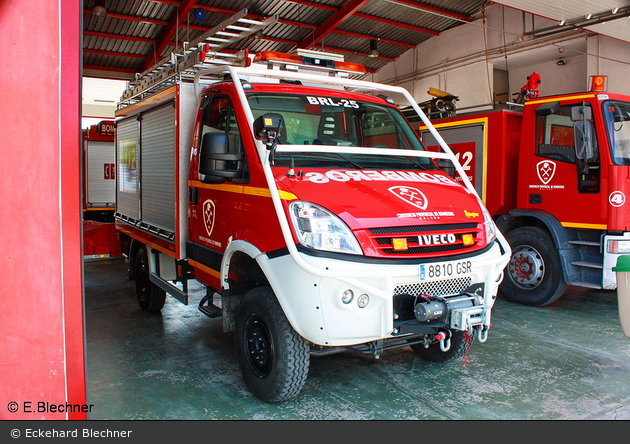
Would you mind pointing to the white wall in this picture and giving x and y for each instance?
(456, 60)
(610, 57)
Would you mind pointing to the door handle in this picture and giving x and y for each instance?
(193, 195)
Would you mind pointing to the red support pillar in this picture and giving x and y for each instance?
(41, 292)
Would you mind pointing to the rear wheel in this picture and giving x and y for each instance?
(150, 297)
(534, 274)
(459, 347)
(272, 357)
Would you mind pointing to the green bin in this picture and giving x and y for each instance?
(622, 270)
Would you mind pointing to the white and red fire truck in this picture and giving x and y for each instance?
(99, 171)
(306, 204)
(554, 175)
(100, 239)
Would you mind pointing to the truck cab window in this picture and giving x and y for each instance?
(555, 139)
(219, 117)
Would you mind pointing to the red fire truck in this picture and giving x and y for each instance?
(305, 203)
(554, 175)
(99, 171)
(100, 239)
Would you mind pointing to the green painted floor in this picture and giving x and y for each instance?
(567, 361)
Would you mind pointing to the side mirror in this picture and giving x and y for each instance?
(583, 140)
(581, 113)
(215, 163)
(269, 127)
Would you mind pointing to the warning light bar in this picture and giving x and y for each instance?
(598, 83)
(308, 61)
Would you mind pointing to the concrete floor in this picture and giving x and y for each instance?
(567, 361)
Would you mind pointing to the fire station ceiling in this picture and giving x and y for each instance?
(125, 37)
(135, 34)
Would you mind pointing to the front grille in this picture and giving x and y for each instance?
(445, 287)
(423, 228)
(382, 239)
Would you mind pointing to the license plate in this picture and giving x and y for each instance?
(445, 270)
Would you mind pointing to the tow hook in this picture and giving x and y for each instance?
(445, 341)
(482, 333)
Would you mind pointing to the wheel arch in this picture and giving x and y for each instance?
(535, 218)
(240, 272)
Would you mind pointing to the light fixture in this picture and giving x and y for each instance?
(99, 9)
(373, 48)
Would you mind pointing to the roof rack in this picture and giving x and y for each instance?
(203, 52)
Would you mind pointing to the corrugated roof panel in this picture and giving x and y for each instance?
(299, 22)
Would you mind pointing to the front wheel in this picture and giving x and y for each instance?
(273, 358)
(534, 274)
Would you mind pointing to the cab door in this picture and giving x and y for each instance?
(562, 180)
(215, 200)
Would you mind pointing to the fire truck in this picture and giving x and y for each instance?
(554, 176)
(99, 171)
(306, 205)
(100, 239)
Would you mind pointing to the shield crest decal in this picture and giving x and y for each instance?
(546, 169)
(410, 195)
(208, 216)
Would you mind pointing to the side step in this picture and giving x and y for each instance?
(210, 310)
(587, 264)
(585, 243)
(587, 285)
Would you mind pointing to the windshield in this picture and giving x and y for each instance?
(617, 117)
(335, 121)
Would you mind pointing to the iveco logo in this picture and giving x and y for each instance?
(436, 239)
(410, 195)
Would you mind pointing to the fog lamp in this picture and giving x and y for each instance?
(363, 300)
(347, 296)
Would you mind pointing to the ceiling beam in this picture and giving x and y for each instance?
(114, 54)
(370, 17)
(433, 10)
(332, 22)
(168, 33)
(368, 37)
(395, 23)
(118, 37)
(131, 18)
(314, 5)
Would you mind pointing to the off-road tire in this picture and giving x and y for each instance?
(272, 357)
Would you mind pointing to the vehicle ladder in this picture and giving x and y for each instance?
(203, 52)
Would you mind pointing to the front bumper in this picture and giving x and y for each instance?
(314, 306)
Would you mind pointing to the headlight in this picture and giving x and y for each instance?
(491, 229)
(320, 229)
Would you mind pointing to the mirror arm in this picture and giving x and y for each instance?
(271, 143)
